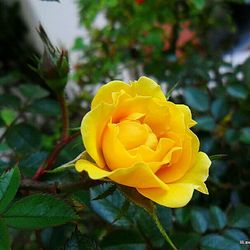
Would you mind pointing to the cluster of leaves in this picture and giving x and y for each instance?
(65, 210)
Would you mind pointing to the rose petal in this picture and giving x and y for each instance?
(104, 94)
(139, 175)
(115, 154)
(178, 194)
(198, 174)
(187, 114)
(92, 127)
(147, 87)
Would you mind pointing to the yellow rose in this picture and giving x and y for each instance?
(139, 139)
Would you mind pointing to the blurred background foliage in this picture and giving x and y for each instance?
(170, 41)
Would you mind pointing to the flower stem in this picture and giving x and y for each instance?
(162, 230)
(65, 117)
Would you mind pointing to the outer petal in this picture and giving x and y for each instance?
(144, 87)
(92, 127)
(139, 175)
(178, 195)
(187, 115)
(147, 87)
(180, 192)
(198, 174)
(104, 94)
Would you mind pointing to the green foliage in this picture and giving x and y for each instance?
(217, 242)
(4, 236)
(38, 211)
(9, 184)
(23, 138)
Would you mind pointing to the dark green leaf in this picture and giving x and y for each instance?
(219, 108)
(4, 236)
(80, 242)
(198, 221)
(45, 106)
(10, 101)
(196, 99)
(55, 238)
(39, 211)
(182, 215)
(218, 217)
(109, 207)
(123, 211)
(148, 227)
(29, 165)
(9, 78)
(237, 91)
(165, 216)
(23, 138)
(217, 242)
(239, 217)
(235, 234)
(245, 135)
(9, 183)
(33, 91)
(205, 123)
(106, 193)
(133, 195)
(186, 241)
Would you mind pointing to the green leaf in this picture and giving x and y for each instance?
(78, 44)
(205, 123)
(9, 78)
(33, 91)
(182, 215)
(219, 108)
(45, 106)
(54, 238)
(196, 99)
(106, 193)
(245, 135)
(9, 184)
(80, 242)
(217, 242)
(186, 241)
(198, 221)
(218, 217)
(235, 234)
(10, 101)
(123, 211)
(237, 91)
(109, 207)
(39, 211)
(239, 217)
(199, 4)
(23, 138)
(29, 165)
(133, 195)
(4, 236)
(8, 115)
